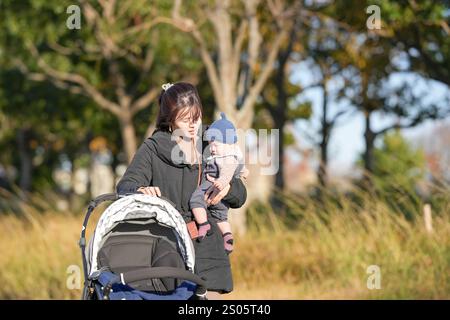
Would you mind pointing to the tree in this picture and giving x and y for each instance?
(419, 31)
(278, 96)
(42, 123)
(237, 67)
(325, 47)
(370, 67)
(237, 74)
(118, 58)
(399, 171)
(405, 103)
(397, 163)
(25, 106)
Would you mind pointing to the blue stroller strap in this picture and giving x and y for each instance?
(124, 292)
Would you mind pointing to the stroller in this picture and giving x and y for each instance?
(140, 250)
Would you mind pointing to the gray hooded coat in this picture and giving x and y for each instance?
(153, 166)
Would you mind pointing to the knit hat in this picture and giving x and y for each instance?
(222, 130)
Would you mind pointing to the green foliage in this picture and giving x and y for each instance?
(399, 168)
(63, 122)
(398, 163)
(300, 111)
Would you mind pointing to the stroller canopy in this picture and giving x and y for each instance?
(139, 206)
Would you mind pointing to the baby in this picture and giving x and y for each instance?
(225, 162)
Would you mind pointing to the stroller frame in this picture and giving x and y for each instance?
(91, 287)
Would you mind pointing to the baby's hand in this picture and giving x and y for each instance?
(218, 185)
(213, 195)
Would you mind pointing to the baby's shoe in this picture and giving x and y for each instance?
(203, 230)
(228, 242)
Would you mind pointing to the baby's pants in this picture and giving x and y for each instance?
(219, 211)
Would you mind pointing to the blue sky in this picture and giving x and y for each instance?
(347, 141)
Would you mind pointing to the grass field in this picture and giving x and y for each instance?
(311, 256)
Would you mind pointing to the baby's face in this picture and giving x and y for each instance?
(217, 148)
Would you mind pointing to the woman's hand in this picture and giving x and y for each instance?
(151, 191)
(213, 195)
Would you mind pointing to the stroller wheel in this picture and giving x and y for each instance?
(85, 293)
(88, 293)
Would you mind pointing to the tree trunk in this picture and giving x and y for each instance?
(128, 135)
(369, 138)
(280, 120)
(26, 164)
(326, 128)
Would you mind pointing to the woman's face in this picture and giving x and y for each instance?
(186, 125)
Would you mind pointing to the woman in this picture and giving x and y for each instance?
(167, 164)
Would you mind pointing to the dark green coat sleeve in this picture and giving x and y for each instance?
(139, 172)
(237, 195)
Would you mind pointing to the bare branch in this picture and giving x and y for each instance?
(123, 8)
(145, 68)
(108, 9)
(255, 38)
(176, 9)
(62, 49)
(143, 101)
(293, 35)
(39, 77)
(210, 66)
(148, 61)
(337, 116)
(309, 136)
(240, 40)
(188, 25)
(276, 9)
(89, 12)
(107, 44)
(227, 65)
(246, 113)
(183, 23)
(280, 15)
(311, 86)
(145, 26)
(89, 89)
(421, 116)
(119, 81)
(445, 26)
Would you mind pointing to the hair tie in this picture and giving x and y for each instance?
(166, 86)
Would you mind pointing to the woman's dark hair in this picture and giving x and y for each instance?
(180, 96)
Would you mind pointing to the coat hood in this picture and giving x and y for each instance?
(166, 149)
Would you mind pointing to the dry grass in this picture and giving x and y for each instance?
(327, 257)
(312, 257)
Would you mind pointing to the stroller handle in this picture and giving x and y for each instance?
(92, 205)
(82, 243)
